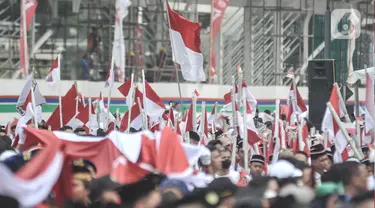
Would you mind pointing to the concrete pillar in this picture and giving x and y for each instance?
(248, 69)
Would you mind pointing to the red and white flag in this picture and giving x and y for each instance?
(153, 105)
(33, 182)
(217, 13)
(185, 38)
(203, 127)
(296, 104)
(110, 78)
(68, 103)
(126, 90)
(329, 123)
(28, 8)
(250, 98)
(228, 99)
(135, 120)
(249, 126)
(53, 76)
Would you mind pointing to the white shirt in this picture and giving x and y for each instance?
(232, 175)
(317, 177)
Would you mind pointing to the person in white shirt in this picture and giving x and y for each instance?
(225, 170)
(319, 160)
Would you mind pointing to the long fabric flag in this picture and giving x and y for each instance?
(217, 13)
(28, 8)
(185, 38)
(300, 106)
(329, 124)
(118, 50)
(53, 76)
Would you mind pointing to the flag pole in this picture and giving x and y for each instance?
(211, 43)
(144, 99)
(175, 65)
(130, 105)
(111, 74)
(33, 102)
(25, 47)
(194, 119)
(245, 139)
(118, 120)
(357, 153)
(234, 121)
(201, 125)
(90, 126)
(61, 115)
(342, 103)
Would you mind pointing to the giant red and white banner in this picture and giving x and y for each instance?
(217, 13)
(28, 8)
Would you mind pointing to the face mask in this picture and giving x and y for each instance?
(226, 164)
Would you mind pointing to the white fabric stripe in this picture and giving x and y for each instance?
(127, 144)
(29, 193)
(191, 62)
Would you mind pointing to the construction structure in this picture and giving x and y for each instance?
(269, 38)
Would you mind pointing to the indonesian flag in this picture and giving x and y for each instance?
(126, 90)
(329, 124)
(68, 103)
(249, 97)
(296, 104)
(53, 76)
(153, 106)
(28, 8)
(228, 99)
(370, 105)
(185, 39)
(110, 78)
(135, 119)
(249, 126)
(212, 118)
(203, 127)
(33, 183)
(25, 97)
(85, 113)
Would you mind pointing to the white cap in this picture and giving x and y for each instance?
(7, 154)
(284, 169)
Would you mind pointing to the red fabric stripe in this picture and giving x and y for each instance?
(190, 31)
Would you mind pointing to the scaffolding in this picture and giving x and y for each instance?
(268, 38)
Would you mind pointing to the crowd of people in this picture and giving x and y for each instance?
(292, 179)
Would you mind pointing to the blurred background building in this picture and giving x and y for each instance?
(269, 38)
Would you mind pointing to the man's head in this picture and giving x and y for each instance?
(215, 159)
(302, 156)
(80, 131)
(82, 176)
(226, 158)
(194, 138)
(177, 107)
(319, 158)
(354, 177)
(217, 143)
(256, 165)
(67, 129)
